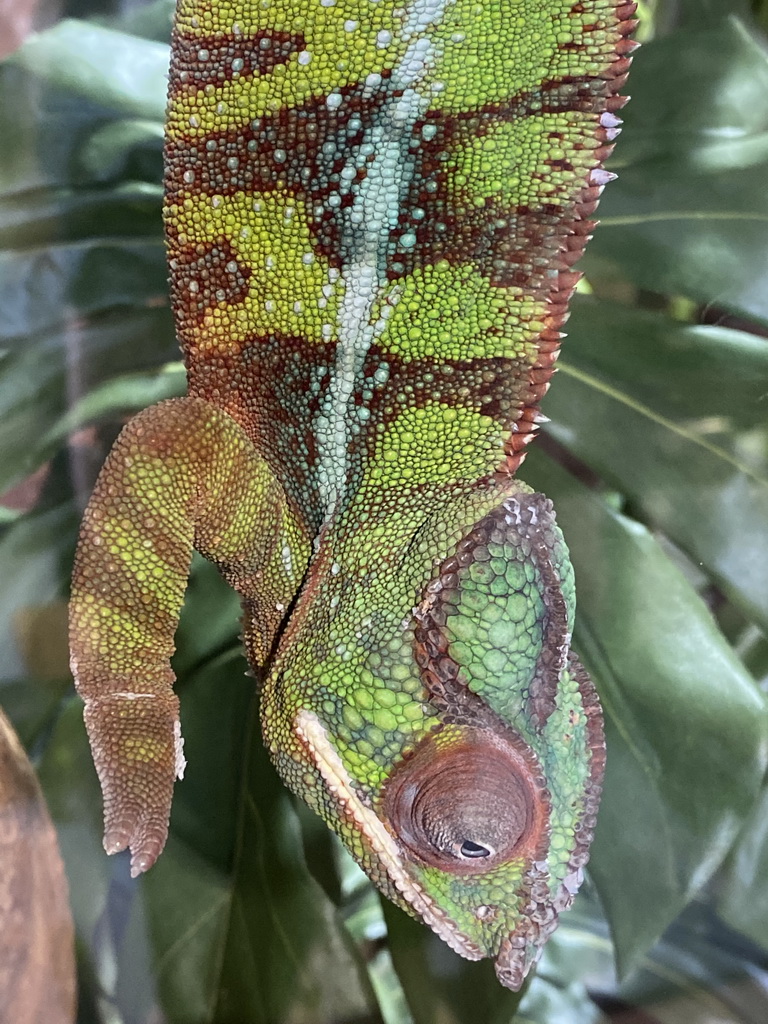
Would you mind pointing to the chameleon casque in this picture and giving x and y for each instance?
(372, 211)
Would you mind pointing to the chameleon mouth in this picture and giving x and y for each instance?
(385, 847)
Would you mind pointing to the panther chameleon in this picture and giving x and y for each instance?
(372, 211)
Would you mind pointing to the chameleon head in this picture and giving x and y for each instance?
(462, 769)
(461, 836)
(471, 812)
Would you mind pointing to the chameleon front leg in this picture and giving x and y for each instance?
(182, 475)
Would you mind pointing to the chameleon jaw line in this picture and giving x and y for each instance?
(386, 847)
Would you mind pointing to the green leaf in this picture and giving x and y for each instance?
(151, 20)
(744, 897)
(32, 552)
(37, 381)
(689, 213)
(37, 218)
(697, 12)
(127, 149)
(241, 931)
(123, 394)
(72, 793)
(700, 972)
(440, 986)
(686, 727)
(108, 67)
(47, 134)
(675, 417)
(32, 706)
(38, 286)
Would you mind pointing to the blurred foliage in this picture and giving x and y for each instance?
(656, 459)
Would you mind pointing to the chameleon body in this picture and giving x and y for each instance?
(372, 211)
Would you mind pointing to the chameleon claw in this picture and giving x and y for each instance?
(141, 862)
(145, 839)
(116, 840)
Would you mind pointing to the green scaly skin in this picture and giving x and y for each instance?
(372, 211)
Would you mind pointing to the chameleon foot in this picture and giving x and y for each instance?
(137, 745)
(145, 838)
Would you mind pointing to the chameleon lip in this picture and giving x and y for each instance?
(338, 781)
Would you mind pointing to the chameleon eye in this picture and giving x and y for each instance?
(471, 849)
(464, 805)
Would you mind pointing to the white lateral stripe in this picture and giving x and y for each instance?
(366, 232)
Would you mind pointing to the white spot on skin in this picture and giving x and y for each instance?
(178, 747)
(485, 913)
(287, 560)
(132, 696)
(600, 177)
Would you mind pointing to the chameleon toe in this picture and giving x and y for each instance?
(116, 840)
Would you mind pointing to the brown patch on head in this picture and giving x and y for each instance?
(466, 804)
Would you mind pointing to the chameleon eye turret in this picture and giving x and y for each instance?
(372, 211)
(463, 802)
